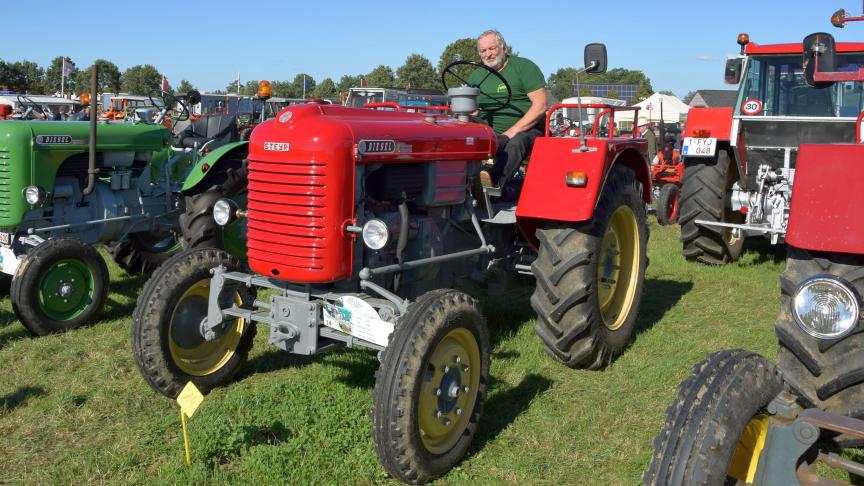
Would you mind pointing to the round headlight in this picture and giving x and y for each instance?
(825, 307)
(224, 212)
(34, 195)
(375, 234)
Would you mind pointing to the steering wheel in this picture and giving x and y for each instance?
(560, 126)
(169, 100)
(26, 101)
(489, 72)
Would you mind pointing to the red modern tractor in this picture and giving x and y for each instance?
(360, 224)
(741, 418)
(740, 162)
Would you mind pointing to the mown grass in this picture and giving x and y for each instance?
(73, 408)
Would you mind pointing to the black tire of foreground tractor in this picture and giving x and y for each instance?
(824, 374)
(61, 285)
(143, 252)
(590, 276)
(166, 340)
(197, 227)
(431, 386)
(667, 204)
(710, 432)
(703, 196)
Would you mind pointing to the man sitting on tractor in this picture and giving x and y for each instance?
(521, 120)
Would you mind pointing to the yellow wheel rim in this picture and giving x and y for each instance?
(448, 391)
(745, 459)
(618, 268)
(190, 351)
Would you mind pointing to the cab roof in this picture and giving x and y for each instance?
(797, 48)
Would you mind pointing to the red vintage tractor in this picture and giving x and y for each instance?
(738, 417)
(667, 172)
(740, 162)
(360, 224)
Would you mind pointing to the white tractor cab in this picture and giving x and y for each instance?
(29, 107)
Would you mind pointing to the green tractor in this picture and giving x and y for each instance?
(127, 188)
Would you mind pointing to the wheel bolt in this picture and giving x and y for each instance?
(457, 359)
(459, 412)
(446, 422)
(465, 369)
(438, 414)
(446, 370)
(437, 392)
(465, 389)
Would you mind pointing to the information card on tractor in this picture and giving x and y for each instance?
(699, 147)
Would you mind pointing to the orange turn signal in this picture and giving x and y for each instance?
(701, 133)
(85, 98)
(576, 179)
(264, 89)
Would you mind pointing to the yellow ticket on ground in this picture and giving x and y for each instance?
(189, 399)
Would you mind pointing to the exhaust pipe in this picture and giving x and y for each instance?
(91, 165)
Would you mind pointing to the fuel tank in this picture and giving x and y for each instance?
(302, 187)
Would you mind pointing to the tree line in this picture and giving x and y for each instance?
(417, 71)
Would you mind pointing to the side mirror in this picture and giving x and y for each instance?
(820, 54)
(193, 97)
(839, 19)
(732, 73)
(595, 58)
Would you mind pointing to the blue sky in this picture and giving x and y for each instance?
(681, 45)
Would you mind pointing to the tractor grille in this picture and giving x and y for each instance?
(5, 183)
(288, 221)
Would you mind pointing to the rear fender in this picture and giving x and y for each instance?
(825, 214)
(211, 162)
(545, 195)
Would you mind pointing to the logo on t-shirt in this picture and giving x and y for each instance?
(502, 88)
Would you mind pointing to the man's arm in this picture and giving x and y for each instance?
(534, 114)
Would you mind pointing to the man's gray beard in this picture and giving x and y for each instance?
(496, 65)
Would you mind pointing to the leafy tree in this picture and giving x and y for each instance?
(108, 80)
(140, 79)
(348, 81)
(185, 86)
(249, 88)
(586, 91)
(459, 50)
(24, 77)
(54, 75)
(689, 97)
(562, 82)
(613, 94)
(298, 88)
(417, 72)
(666, 92)
(380, 76)
(326, 89)
(282, 89)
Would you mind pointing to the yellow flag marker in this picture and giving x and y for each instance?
(189, 399)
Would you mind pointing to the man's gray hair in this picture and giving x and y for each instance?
(499, 39)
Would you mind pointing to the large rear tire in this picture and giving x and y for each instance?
(166, 338)
(198, 229)
(590, 276)
(703, 196)
(824, 374)
(431, 386)
(61, 285)
(143, 252)
(712, 430)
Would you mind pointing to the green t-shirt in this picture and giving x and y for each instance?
(523, 76)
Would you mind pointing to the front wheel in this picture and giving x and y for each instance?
(590, 276)
(61, 285)
(431, 386)
(667, 204)
(716, 427)
(167, 342)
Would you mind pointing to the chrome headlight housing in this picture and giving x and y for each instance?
(225, 212)
(34, 195)
(376, 234)
(825, 307)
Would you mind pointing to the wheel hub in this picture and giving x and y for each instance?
(66, 289)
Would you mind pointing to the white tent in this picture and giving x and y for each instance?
(674, 110)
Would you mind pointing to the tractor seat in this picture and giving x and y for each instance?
(220, 129)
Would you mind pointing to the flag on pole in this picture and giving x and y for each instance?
(164, 83)
(67, 67)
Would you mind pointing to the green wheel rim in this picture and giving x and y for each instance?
(66, 289)
(449, 390)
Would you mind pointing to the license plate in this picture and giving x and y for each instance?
(699, 147)
(4, 238)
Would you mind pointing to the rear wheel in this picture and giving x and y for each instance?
(61, 285)
(715, 429)
(431, 386)
(167, 342)
(824, 374)
(198, 229)
(703, 197)
(143, 252)
(589, 277)
(667, 204)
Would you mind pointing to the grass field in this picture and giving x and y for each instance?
(73, 408)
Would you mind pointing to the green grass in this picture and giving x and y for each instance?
(74, 409)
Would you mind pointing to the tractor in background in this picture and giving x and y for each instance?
(740, 162)
(739, 417)
(360, 224)
(667, 172)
